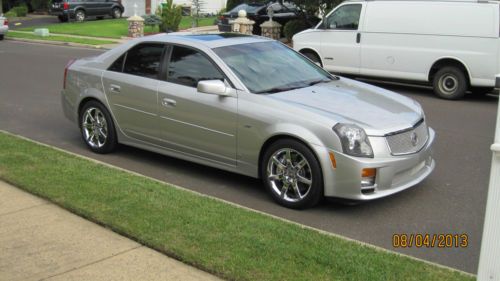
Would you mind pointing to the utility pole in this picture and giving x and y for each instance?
(489, 258)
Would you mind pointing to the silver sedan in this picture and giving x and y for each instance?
(255, 107)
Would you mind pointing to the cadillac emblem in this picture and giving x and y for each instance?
(414, 139)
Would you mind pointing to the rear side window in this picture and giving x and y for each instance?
(345, 17)
(144, 60)
(188, 67)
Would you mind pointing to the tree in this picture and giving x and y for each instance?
(197, 5)
(233, 3)
(315, 8)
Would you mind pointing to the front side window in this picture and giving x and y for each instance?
(188, 67)
(271, 67)
(345, 17)
(144, 60)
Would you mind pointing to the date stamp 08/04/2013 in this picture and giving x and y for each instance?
(426, 240)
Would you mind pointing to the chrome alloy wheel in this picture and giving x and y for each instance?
(289, 174)
(95, 128)
(80, 16)
(448, 83)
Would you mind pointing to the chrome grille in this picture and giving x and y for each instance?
(408, 141)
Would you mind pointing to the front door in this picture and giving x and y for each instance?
(340, 41)
(131, 89)
(194, 123)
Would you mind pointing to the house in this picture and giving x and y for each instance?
(150, 6)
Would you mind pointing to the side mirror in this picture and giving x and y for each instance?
(213, 87)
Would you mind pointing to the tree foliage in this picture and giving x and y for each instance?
(233, 3)
(171, 16)
(315, 8)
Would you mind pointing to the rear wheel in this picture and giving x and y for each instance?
(117, 13)
(97, 128)
(80, 15)
(450, 83)
(292, 174)
(1, 37)
(62, 18)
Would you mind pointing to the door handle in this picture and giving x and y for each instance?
(358, 37)
(168, 102)
(114, 88)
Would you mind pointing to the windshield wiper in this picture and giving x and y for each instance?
(318, 81)
(278, 89)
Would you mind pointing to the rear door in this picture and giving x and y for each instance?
(191, 122)
(131, 89)
(340, 42)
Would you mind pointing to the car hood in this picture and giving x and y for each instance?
(376, 110)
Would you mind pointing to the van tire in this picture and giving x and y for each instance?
(313, 57)
(450, 83)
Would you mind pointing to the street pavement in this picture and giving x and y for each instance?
(452, 200)
(41, 241)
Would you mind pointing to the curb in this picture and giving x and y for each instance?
(56, 43)
(243, 207)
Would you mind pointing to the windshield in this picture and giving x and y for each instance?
(271, 67)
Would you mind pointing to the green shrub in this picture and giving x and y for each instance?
(152, 20)
(40, 4)
(171, 16)
(21, 10)
(293, 27)
(10, 14)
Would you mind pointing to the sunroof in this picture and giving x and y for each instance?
(212, 37)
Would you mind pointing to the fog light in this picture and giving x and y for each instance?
(368, 177)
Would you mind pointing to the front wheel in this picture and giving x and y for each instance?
(292, 174)
(450, 83)
(314, 58)
(97, 128)
(80, 15)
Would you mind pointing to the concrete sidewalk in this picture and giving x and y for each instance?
(41, 241)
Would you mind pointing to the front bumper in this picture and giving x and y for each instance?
(393, 173)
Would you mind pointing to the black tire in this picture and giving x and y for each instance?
(116, 13)
(481, 91)
(88, 128)
(80, 15)
(313, 57)
(1, 37)
(62, 18)
(450, 83)
(308, 195)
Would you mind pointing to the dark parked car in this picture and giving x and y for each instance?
(81, 9)
(258, 13)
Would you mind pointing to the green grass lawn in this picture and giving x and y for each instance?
(110, 28)
(14, 34)
(232, 242)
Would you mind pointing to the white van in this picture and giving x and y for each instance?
(454, 45)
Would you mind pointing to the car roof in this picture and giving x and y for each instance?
(209, 40)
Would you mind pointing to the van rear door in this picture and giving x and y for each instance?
(340, 42)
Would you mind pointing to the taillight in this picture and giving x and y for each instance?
(5, 22)
(66, 72)
(221, 18)
(66, 6)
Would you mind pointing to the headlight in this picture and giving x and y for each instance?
(354, 140)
